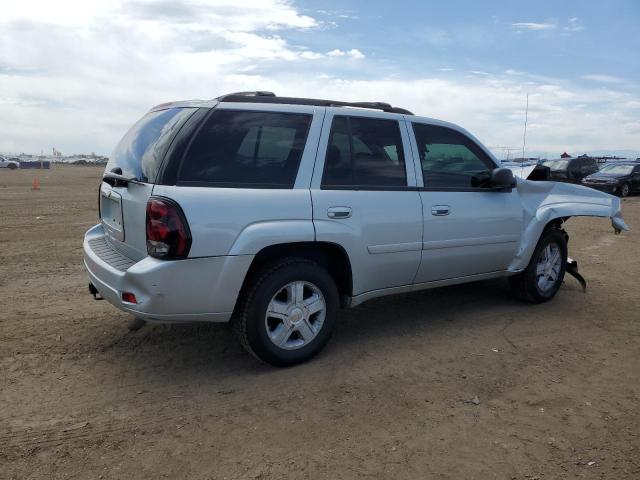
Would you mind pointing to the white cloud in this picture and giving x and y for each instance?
(306, 54)
(595, 77)
(77, 82)
(574, 25)
(353, 53)
(531, 26)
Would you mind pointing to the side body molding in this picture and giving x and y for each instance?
(546, 201)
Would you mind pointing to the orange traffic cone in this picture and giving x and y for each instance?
(35, 185)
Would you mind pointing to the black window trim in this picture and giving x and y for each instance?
(253, 186)
(370, 188)
(366, 188)
(482, 155)
(168, 173)
(464, 189)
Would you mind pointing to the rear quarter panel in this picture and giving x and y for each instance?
(242, 221)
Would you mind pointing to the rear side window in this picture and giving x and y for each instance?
(364, 152)
(246, 149)
(449, 159)
(140, 152)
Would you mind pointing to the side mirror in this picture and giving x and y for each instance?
(502, 178)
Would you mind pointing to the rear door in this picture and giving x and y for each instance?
(590, 167)
(138, 155)
(469, 229)
(365, 199)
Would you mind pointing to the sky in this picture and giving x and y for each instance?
(74, 75)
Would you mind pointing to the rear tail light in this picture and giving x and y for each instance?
(168, 235)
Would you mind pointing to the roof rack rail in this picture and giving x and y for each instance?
(258, 93)
(270, 97)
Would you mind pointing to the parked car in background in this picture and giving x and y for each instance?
(10, 164)
(620, 178)
(273, 212)
(571, 170)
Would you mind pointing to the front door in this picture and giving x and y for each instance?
(635, 179)
(365, 198)
(469, 229)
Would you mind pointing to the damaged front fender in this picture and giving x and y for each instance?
(544, 202)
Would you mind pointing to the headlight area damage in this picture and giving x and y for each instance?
(544, 202)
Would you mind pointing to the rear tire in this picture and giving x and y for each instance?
(287, 312)
(625, 190)
(542, 278)
(136, 324)
(12, 166)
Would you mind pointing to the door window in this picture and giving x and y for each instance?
(246, 149)
(450, 160)
(364, 153)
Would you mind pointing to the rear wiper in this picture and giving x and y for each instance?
(118, 180)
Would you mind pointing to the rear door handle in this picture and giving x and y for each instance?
(339, 212)
(440, 210)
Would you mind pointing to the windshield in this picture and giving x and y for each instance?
(617, 169)
(140, 152)
(556, 164)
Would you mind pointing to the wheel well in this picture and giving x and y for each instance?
(558, 223)
(555, 223)
(329, 255)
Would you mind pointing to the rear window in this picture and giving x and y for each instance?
(246, 149)
(556, 164)
(140, 152)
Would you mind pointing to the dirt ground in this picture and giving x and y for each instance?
(460, 382)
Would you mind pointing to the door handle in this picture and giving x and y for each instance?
(339, 212)
(440, 210)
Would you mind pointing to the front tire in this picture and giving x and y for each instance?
(542, 278)
(287, 312)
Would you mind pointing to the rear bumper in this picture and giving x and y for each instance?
(190, 290)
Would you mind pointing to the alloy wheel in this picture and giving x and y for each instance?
(549, 266)
(295, 315)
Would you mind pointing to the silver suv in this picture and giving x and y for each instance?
(274, 212)
(10, 164)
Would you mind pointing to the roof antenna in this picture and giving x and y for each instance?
(524, 138)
